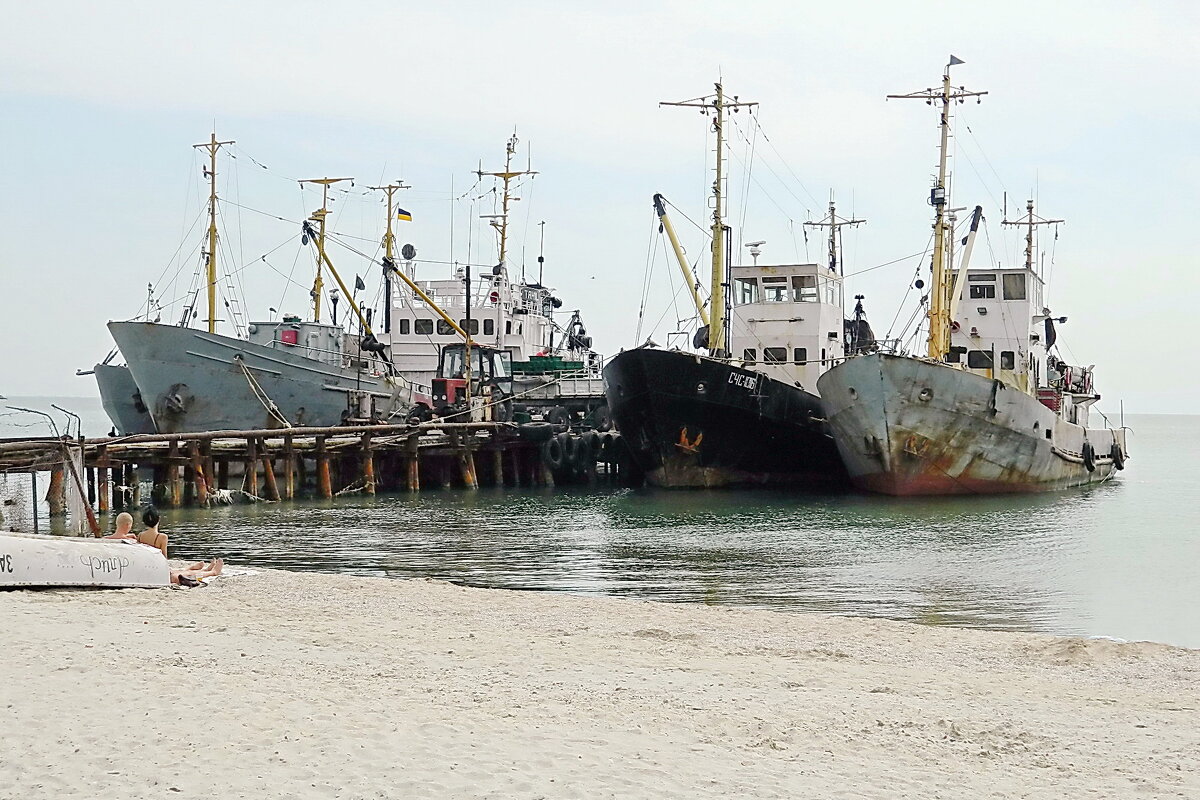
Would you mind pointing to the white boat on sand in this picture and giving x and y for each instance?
(34, 560)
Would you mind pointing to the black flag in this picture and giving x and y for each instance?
(358, 284)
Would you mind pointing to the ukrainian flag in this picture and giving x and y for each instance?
(401, 214)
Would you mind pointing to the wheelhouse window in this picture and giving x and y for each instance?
(507, 326)
(1014, 286)
(804, 288)
(474, 331)
(489, 327)
(955, 355)
(775, 290)
(423, 326)
(747, 291)
(1007, 359)
(979, 359)
(443, 328)
(833, 292)
(800, 355)
(982, 292)
(749, 355)
(775, 355)
(402, 327)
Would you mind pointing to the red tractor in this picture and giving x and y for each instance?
(491, 383)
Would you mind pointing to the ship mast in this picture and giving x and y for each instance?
(939, 302)
(506, 176)
(1030, 222)
(318, 217)
(718, 104)
(212, 146)
(389, 249)
(835, 225)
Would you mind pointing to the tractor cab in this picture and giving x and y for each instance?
(491, 374)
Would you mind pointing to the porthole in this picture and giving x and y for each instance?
(925, 395)
(853, 393)
(701, 387)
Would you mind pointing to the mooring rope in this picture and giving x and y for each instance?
(261, 394)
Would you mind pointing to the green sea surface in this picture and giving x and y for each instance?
(1117, 560)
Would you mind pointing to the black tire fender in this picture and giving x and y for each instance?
(553, 453)
(536, 431)
(1117, 455)
(1089, 457)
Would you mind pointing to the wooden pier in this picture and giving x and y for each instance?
(220, 467)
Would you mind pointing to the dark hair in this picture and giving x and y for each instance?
(150, 517)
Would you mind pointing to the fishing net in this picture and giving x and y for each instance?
(16, 502)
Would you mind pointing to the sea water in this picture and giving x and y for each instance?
(1118, 559)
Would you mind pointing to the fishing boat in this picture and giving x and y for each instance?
(745, 411)
(990, 406)
(121, 398)
(34, 560)
(283, 373)
(293, 371)
(511, 314)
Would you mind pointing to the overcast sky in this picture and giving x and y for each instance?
(1092, 109)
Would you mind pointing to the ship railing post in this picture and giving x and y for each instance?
(102, 476)
(289, 469)
(56, 492)
(368, 465)
(198, 476)
(250, 478)
(497, 462)
(270, 487)
(324, 487)
(467, 456)
(413, 454)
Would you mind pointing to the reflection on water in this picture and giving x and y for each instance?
(985, 562)
(1115, 560)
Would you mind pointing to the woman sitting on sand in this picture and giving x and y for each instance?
(150, 536)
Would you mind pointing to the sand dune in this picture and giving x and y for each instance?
(287, 685)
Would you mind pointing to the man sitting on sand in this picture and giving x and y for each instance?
(124, 527)
(151, 536)
(195, 574)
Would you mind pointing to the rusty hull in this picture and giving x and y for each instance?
(906, 426)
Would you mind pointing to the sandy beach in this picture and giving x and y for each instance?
(279, 684)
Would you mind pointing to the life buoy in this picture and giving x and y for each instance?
(1117, 455)
(1089, 457)
(553, 453)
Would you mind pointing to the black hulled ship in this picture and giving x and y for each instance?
(745, 411)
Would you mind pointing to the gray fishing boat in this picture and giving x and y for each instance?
(121, 398)
(991, 406)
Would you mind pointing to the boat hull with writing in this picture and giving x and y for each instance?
(192, 380)
(909, 426)
(695, 422)
(33, 560)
